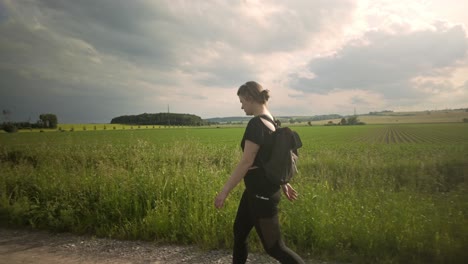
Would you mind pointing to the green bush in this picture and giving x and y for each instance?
(10, 128)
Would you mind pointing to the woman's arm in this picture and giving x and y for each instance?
(248, 157)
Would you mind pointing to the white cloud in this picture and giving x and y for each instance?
(386, 62)
(390, 52)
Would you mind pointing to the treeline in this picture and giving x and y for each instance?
(45, 121)
(350, 121)
(311, 118)
(381, 112)
(167, 119)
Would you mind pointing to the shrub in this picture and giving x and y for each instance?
(10, 128)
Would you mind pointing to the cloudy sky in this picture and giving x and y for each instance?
(92, 60)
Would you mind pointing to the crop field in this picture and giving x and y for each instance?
(419, 117)
(392, 193)
(422, 134)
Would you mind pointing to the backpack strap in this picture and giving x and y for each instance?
(269, 120)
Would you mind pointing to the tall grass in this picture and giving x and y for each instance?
(359, 202)
(383, 203)
(140, 190)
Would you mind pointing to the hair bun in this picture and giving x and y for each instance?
(265, 94)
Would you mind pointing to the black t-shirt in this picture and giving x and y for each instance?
(255, 180)
(260, 134)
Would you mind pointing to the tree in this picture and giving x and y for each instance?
(48, 120)
(353, 120)
(10, 128)
(343, 121)
(7, 125)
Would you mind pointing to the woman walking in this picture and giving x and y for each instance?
(259, 203)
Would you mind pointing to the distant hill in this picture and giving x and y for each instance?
(382, 117)
(283, 119)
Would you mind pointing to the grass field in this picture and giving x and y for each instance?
(375, 193)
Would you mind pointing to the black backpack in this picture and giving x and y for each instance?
(281, 166)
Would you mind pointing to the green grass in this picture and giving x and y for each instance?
(388, 194)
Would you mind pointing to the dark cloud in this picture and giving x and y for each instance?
(166, 30)
(27, 94)
(118, 28)
(115, 15)
(3, 12)
(386, 63)
(165, 33)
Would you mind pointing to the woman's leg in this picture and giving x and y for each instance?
(242, 226)
(269, 232)
(267, 226)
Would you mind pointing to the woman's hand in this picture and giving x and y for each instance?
(219, 200)
(289, 192)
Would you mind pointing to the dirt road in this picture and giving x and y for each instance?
(40, 247)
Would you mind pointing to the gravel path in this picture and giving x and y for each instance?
(26, 246)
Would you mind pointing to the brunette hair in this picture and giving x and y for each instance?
(254, 91)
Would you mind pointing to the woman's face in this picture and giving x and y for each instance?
(246, 105)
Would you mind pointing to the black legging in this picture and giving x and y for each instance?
(262, 213)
